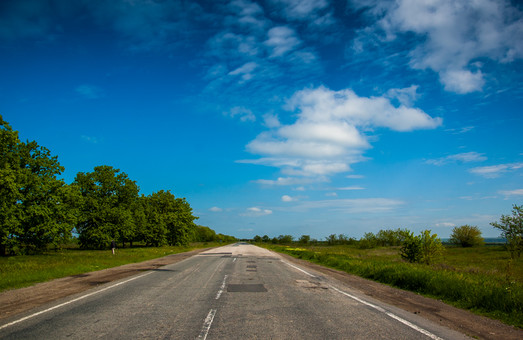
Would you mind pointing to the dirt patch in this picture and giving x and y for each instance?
(23, 299)
(454, 318)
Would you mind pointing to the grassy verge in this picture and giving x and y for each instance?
(478, 279)
(26, 270)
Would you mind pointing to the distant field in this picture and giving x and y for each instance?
(480, 279)
(26, 270)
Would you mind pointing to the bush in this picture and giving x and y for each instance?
(422, 249)
(466, 236)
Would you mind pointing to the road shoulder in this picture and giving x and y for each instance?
(441, 313)
(17, 301)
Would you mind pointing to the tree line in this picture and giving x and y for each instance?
(39, 210)
(423, 247)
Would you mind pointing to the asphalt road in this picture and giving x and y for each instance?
(233, 292)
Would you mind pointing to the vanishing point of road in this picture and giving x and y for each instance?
(238, 291)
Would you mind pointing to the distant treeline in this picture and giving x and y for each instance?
(38, 210)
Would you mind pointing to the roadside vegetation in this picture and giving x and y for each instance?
(39, 211)
(484, 278)
(25, 270)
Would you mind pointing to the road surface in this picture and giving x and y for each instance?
(234, 292)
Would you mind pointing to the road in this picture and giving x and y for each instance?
(238, 291)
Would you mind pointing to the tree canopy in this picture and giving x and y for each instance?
(32, 199)
(37, 209)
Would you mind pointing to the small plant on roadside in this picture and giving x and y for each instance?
(466, 236)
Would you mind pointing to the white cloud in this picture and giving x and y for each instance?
(301, 9)
(327, 136)
(90, 91)
(466, 157)
(284, 181)
(243, 113)
(516, 192)
(350, 188)
(281, 40)
(287, 198)
(453, 35)
(362, 205)
(445, 224)
(216, 209)
(256, 212)
(494, 171)
(271, 120)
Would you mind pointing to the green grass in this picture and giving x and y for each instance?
(26, 270)
(481, 279)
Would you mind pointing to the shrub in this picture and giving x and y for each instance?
(423, 248)
(411, 248)
(466, 236)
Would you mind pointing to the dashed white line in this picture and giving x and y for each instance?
(222, 287)
(378, 308)
(71, 301)
(207, 324)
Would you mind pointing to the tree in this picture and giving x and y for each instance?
(512, 230)
(106, 208)
(285, 239)
(304, 239)
(33, 211)
(466, 236)
(257, 239)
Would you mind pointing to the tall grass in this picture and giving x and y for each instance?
(25, 270)
(479, 279)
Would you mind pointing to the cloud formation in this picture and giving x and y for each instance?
(451, 35)
(494, 171)
(466, 157)
(328, 135)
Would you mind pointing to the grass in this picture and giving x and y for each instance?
(26, 270)
(482, 279)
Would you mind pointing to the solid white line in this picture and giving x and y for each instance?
(71, 301)
(207, 324)
(378, 308)
(221, 288)
(301, 270)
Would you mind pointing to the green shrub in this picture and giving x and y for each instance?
(466, 236)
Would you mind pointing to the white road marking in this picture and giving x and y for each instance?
(301, 270)
(222, 287)
(234, 259)
(71, 301)
(378, 308)
(207, 324)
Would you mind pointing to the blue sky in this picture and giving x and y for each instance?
(281, 116)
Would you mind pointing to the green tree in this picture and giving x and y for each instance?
(512, 230)
(106, 208)
(466, 236)
(33, 211)
(266, 239)
(257, 239)
(285, 239)
(304, 239)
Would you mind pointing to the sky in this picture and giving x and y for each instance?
(299, 117)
